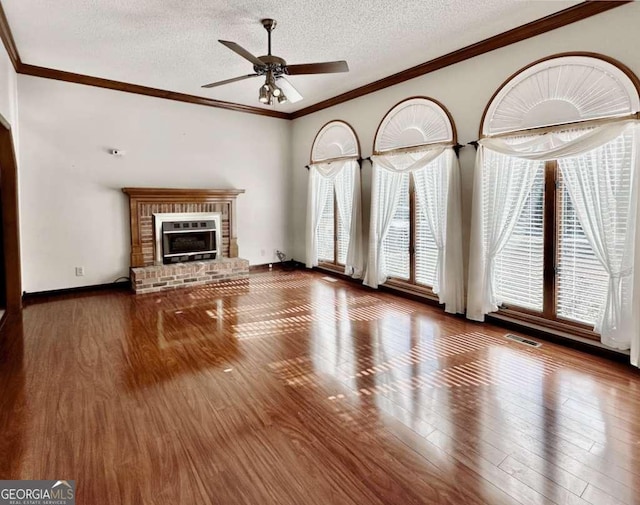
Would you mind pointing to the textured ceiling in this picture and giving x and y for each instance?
(172, 44)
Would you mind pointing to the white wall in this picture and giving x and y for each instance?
(465, 89)
(73, 212)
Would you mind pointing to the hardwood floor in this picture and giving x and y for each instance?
(290, 389)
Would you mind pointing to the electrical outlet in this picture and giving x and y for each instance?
(79, 271)
(262, 252)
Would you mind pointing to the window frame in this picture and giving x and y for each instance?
(334, 265)
(410, 285)
(551, 257)
(548, 318)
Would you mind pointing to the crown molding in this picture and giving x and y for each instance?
(551, 22)
(557, 20)
(7, 40)
(60, 75)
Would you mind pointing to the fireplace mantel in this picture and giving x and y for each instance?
(181, 194)
(144, 202)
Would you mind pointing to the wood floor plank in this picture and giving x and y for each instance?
(550, 471)
(598, 497)
(547, 487)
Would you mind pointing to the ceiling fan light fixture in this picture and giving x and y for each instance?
(282, 98)
(264, 95)
(270, 83)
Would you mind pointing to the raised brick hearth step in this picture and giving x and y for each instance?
(152, 279)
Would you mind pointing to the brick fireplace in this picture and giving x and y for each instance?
(151, 207)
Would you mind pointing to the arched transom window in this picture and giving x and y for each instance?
(561, 91)
(335, 140)
(412, 123)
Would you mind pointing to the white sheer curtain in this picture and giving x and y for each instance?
(501, 186)
(584, 160)
(600, 188)
(346, 177)
(556, 145)
(634, 325)
(385, 193)
(318, 189)
(437, 180)
(348, 197)
(431, 189)
(438, 193)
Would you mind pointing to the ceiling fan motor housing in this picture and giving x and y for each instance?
(273, 64)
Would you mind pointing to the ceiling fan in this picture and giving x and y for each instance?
(275, 68)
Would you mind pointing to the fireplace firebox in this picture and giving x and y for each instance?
(189, 241)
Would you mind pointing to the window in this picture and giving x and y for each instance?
(546, 267)
(334, 200)
(397, 243)
(581, 278)
(415, 214)
(327, 226)
(411, 253)
(562, 259)
(333, 235)
(519, 266)
(426, 250)
(342, 232)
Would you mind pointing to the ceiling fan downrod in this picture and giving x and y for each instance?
(269, 25)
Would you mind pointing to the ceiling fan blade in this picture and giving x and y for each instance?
(227, 81)
(243, 52)
(289, 91)
(328, 67)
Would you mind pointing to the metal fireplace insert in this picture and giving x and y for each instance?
(189, 241)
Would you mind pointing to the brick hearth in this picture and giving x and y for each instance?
(152, 279)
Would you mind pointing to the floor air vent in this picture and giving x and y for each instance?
(522, 340)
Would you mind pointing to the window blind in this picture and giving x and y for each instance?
(582, 280)
(396, 243)
(342, 232)
(343, 243)
(426, 250)
(326, 229)
(519, 267)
